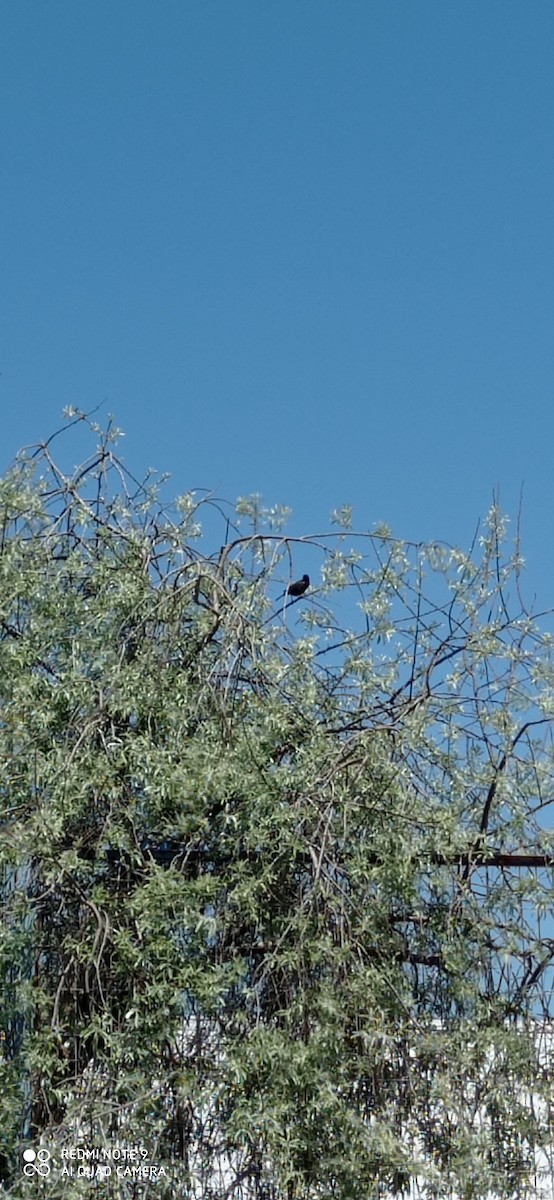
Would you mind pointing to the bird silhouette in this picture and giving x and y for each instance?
(297, 589)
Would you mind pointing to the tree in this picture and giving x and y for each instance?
(274, 885)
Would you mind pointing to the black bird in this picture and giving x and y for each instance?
(297, 588)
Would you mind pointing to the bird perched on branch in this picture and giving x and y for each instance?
(297, 589)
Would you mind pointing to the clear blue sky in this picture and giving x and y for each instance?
(301, 247)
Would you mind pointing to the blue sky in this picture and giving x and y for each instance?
(299, 247)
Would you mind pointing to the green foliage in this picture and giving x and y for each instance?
(265, 906)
